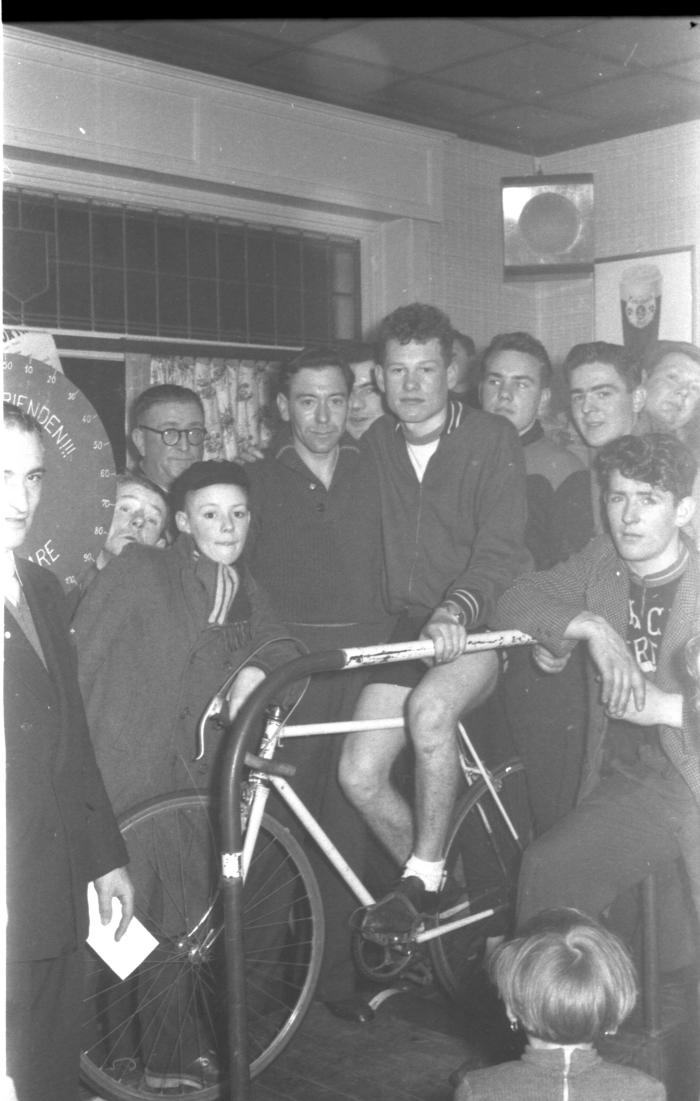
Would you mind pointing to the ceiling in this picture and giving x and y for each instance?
(535, 85)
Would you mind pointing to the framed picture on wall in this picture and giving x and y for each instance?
(645, 297)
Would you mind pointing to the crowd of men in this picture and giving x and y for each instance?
(411, 490)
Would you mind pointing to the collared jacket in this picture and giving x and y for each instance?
(559, 1074)
(597, 580)
(458, 534)
(149, 662)
(61, 831)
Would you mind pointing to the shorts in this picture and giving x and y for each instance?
(403, 674)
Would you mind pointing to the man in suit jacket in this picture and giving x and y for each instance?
(61, 832)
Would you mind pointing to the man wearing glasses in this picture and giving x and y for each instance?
(168, 433)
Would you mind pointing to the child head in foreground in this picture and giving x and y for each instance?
(210, 502)
(565, 979)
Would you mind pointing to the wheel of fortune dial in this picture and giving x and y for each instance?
(77, 497)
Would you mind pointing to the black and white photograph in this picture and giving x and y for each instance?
(351, 668)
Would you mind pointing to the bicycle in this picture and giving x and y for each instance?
(174, 861)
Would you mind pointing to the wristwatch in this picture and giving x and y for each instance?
(455, 611)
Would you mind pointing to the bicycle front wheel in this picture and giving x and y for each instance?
(482, 863)
(144, 1036)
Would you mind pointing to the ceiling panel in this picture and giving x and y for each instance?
(643, 97)
(285, 32)
(194, 50)
(540, 26)
(431, 95)
(329, 71)
(418, 45)
(638, 41)
(535, 85)
(532, 71)
(687, 70)
(527, 121)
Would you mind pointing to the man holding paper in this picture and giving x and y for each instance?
(61, 831)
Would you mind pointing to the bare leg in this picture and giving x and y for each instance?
(434, 709)
(365, 768)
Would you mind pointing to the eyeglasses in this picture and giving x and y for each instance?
(172, 436)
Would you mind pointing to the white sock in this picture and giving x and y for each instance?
(430, 871)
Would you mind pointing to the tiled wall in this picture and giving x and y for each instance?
(475, 295)
(647, 197)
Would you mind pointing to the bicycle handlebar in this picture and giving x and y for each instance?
(425, 648)
(358, 656)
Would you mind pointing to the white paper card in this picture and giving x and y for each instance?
(124, 955)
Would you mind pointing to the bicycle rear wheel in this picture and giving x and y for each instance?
(482, 863)
(141, 1034)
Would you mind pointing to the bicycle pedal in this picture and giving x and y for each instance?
(393, 940)
(385, 939)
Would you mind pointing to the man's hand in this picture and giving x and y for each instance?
(621, 678)
(248, 679)
(661, 707)
(449, 636)
(115, 884)
(546, 661)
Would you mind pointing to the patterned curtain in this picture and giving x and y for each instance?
(237, 395)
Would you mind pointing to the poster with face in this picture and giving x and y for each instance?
(643, 298)
(640, 305)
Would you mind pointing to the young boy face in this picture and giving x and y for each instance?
(140, 515)
(218, 519)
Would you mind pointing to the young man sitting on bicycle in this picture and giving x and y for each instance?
(632, 598)
(453, 497)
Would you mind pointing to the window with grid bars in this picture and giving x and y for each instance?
(72, 264)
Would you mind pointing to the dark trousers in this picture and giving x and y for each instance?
(546, 714)
(631, 824)
(44, 1000)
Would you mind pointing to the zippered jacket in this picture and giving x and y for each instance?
(559, 1074)
(458, 534)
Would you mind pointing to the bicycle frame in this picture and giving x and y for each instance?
(262, 782)
(244, 732)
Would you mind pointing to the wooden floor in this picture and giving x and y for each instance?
(389, 1059)
(418, 1039)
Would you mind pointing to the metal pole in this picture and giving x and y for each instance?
(241, 738)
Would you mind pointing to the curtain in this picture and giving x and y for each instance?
(237, 395)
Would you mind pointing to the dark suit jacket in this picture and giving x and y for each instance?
(61, 832)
